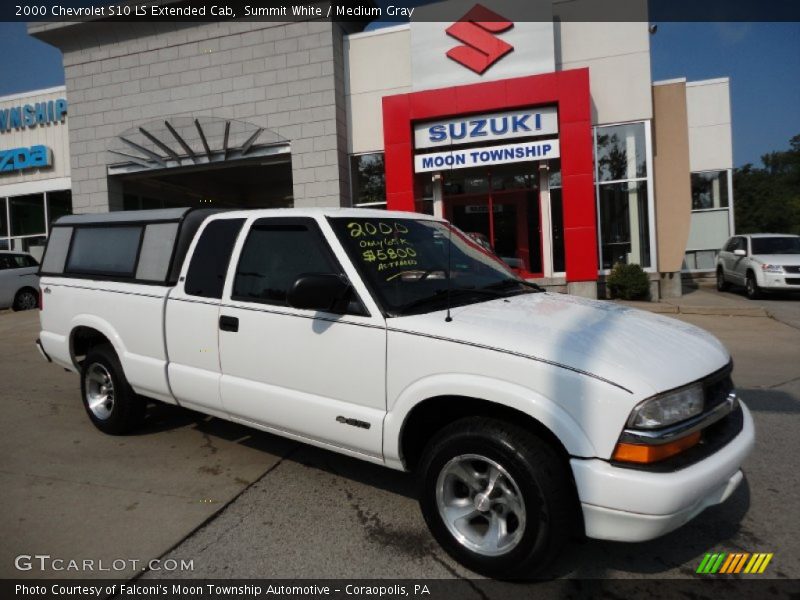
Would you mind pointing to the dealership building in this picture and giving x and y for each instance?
(545, 137)
(35, 186)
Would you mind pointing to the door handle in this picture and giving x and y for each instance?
(229, 323)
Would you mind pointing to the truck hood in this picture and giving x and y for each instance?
(642, 352)
(777, 259)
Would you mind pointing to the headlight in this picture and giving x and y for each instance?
(772, 268)
(669, 408)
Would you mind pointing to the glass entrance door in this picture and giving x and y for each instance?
(501, 208)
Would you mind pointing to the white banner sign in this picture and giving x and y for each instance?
(488, 127)
(491, 155)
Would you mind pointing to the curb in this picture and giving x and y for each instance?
(672, 309)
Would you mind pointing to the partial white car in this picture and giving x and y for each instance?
(19, 281)
(760, 262)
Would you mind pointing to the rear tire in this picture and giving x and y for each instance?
(497, 498)
(26, 299)
(751, 287)
(112, 405)
(722, 285)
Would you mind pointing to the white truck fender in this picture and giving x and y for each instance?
(104, 327)
(525, 400)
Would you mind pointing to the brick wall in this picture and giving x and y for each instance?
(286, 77)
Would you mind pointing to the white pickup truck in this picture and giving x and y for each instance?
(529, 416)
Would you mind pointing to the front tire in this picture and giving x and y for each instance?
(112, 405)
(722, 285)
(751, 287)
(497, 498)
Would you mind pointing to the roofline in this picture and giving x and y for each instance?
(716, 80)
(379, 31)
(30, 94)
(670, 81)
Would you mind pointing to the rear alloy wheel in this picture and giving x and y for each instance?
(26, 299)
(722, 285)
(751, 287)
(497, 498)
(109, 400)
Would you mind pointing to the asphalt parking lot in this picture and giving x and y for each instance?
(241, 503)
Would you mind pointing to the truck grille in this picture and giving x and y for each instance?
(792, 269)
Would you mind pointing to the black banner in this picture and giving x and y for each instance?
(394, 589)
(365, 11)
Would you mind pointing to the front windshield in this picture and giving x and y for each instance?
(776, 245)
(405, 263)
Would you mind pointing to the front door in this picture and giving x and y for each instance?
(501, 207)
(312, 375)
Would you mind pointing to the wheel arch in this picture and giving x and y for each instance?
(88, 331)
(434, 402)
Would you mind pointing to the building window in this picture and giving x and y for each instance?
(27, 215)
(621, 159)
(368, 177)
(4, 243)
(59, 204)
(711, 221)
(709, 190)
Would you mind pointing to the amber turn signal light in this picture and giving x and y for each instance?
(643, 454)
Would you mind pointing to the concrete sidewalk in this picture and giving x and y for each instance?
(702, 300)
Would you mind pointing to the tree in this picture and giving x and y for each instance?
(767, 198)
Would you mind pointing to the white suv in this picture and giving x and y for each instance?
(760, 261)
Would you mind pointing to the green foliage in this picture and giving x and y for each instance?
(628, 282)
(767, 199)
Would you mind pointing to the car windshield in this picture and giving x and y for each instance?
(417, 265)
(776, 245)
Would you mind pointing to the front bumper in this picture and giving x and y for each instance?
(780, 281)
(632, 505)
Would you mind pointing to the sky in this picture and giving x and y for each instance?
(761, 59)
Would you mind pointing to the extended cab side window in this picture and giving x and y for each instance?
(277, 252)
(212, 254)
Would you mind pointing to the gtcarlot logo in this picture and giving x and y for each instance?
(46, 562)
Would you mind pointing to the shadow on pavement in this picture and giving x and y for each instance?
(769, 400)
(163, 417)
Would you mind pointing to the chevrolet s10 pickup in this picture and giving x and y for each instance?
(530, 417)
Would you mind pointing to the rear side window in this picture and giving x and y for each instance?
(206, 274)
(23, 261)
(55, 257)
(110, 251)
(274, 256)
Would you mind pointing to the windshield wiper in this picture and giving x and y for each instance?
(442, 295)
(511, 282)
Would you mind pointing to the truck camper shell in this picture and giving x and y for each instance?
(139, 246)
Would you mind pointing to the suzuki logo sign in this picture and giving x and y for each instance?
(457, 42)
(476, 30)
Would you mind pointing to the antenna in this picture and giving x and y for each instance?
(449, 318)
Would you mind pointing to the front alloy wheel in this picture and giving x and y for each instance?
(497, 498)
(481, 505)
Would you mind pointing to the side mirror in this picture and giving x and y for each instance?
(740, 252)
(319, 291)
